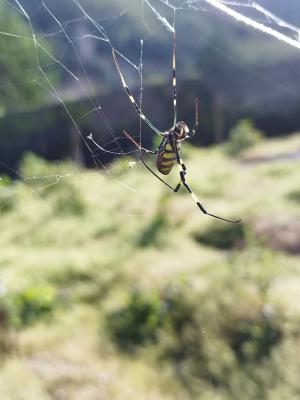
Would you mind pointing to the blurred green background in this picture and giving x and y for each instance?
(111, 286)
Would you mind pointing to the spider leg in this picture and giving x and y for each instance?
(147, 166)
(158, 177)
(138, 145)
(174, 80)
(131, 98)
(182, 172)
(90, 137)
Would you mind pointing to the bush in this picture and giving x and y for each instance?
(205, 334)
(68, 200)
(209, 337)
(154, 234)
(137, 322)
(253, 340)
(5, 340)
(41, 173)
(33, 166)
(241, 137)
(224, 237)
(5, 180)
(38, 172)
(294, 196)
(34, 303)
(7, 194)
(15, 61)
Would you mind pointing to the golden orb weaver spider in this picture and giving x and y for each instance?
(169, 148)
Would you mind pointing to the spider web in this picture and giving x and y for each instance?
(97, 32)
(87, 30)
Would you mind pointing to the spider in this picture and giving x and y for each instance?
(168, 151)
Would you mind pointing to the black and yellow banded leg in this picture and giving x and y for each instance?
(182, 173)
(131, 98)
(174, 79)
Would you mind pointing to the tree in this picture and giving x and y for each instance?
(18, 65)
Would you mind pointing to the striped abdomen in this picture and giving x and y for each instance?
(166, 158)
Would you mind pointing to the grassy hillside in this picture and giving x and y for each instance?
(113, 288)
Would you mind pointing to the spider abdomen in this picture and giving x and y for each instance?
(166, 158)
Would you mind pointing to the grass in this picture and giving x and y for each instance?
(113, 287)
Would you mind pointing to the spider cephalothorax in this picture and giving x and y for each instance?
(180, 130)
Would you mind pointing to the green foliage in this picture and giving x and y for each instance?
(5, 180)
(17, 60)
(38, 172)
(137, 322)
(210, 338)
(203, 334)
(41, 173)
(208, 324)
(5, 331)
(283, 170)
(7, 195)
(242, 137)
(185, 338)
(222, 236)
(253, 340)
(154, 233)
(294, 196)
(69, 201)
(34, 303)
(180, 309)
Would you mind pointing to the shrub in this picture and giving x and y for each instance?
(221, 334)
(41, 173)
(7, 195)
(32, 167)
(212, 337)
(137, 322)
(225, 236)
(68, 200)
(253, 340)
(241, 137)
(38, 172)
(191, 339)
(5, 180)
(34, 303)
(294, 196)
(5, 339)
(154, 234)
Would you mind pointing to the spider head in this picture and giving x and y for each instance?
(181, 130)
